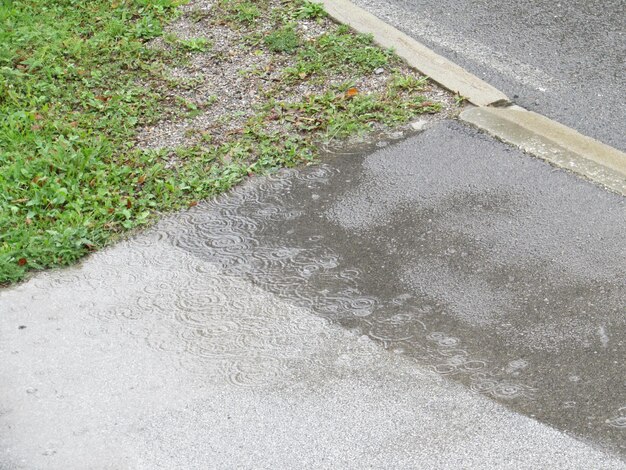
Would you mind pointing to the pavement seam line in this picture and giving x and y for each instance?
(536, 134)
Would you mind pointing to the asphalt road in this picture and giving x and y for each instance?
(443, 302)
(566, 60)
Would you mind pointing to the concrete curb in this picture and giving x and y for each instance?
(535, 134)
(440, 70)
(553, 142)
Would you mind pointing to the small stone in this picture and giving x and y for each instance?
(419, 124)
(379, 70)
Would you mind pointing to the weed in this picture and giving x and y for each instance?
(407, 83)
(195, 44)
(310, 10)
(187, 45)
(337, 52)
(241, 12)
(460, 100)
(284, 39)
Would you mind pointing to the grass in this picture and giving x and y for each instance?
(240, 12)
(338, 51)
(77, 80)
(188, 45)
(284, 39)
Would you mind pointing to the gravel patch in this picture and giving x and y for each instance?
(218, 90)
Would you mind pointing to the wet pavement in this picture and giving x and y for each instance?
(443, 302)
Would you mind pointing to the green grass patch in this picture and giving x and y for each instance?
(77, 80)
(338, 114)
(188, 45)
(336, 52)
(69, 105)
(284, 39)
(310, 11)
(241, 12)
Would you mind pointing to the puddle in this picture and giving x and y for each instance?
(492, 282)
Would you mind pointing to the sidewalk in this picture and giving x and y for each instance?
(300, 321)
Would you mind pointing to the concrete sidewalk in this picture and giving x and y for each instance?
(444, 302)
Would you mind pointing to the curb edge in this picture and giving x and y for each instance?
(534, 133)
(439, 69)
(553, 142)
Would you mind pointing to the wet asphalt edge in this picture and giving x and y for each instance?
(493, 112)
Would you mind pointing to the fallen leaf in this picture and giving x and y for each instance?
(141, 179)
(128, 204)
(39, 181)
(193, 203)
(21, 261)
(352, 92)
(302, 75)
(28, 221)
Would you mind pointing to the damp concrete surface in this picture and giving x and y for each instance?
(442, 301)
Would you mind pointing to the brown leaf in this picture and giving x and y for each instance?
(141, 179)
(28, 221)
(193, 203)
(103, 98)
(110, 210)
(302, 75)
(128, 204)
(352, 92)
(22, 261)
